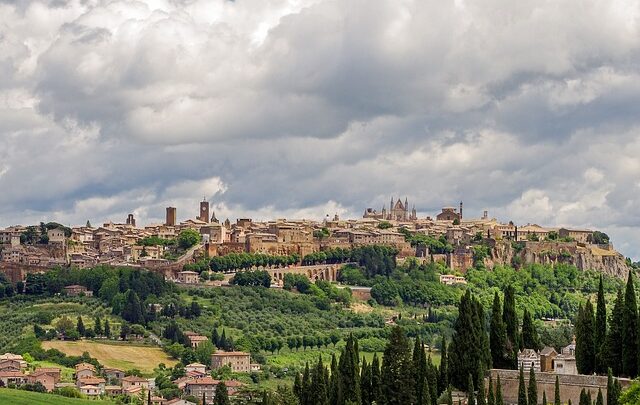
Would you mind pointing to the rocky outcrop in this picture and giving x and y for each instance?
(600, 258)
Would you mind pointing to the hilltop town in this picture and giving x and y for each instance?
(448, 237)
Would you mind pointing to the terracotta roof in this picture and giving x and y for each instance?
(133, 378)
(230, 354)
(11, 374)
(92, 380)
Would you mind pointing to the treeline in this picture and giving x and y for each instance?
(321, 288)
(124, 289)
(373, 259)
(244, 261)
(436, 246)
(616, 346)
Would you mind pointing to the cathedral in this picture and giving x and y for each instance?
(398, 211)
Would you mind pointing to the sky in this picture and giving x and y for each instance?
(308, 108)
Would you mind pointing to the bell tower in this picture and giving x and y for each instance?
(204, 211)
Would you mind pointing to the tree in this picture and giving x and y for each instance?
(585, 347)
(522, 389)
(491, 399)
(349, 380)
(499, 399)
(107, 328)
(469, 350)
(376, 380)
(365, 382)
(529, 334)
(556, 398)
(80, 327)
(613, 389)
(532, 392)
(443, 380)
(544, 397)
(221, 395)
(398, 385)
(64, 325)
(132, 311)
(510, 319)
(614, 337)
(600, 334)
(470, 391)
(188, 238)
(97, 326)
(630, 330)
(318, 394)
(480, 384)
(599, 399)
(420, 369)
(497, 334)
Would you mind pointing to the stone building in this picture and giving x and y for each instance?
(239, 362)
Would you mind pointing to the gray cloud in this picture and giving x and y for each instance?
(311, 107)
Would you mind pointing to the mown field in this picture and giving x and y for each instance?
(17, 397)
(123, 356)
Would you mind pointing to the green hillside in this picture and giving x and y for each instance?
(18, 397)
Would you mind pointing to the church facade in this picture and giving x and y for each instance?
(398, 211)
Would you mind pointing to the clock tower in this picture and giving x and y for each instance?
(204, 211)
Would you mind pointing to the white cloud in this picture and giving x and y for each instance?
(312, 107)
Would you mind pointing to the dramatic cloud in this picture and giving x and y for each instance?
(275, 108)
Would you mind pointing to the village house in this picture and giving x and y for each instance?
(178, 401)
(196, 368)
(114, 374)
(450, 279)
(133, 381)
(238, 362)
(84, 370)
(194, 339)
(94, 381)
(47, 380)
(12, 377)
(76, 290)
(91, 390)
(188, 277)
(15, 359)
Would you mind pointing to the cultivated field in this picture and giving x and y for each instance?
(123, 356)
(17, 397)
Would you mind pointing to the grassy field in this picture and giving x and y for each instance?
(17, 397)
(123, 356)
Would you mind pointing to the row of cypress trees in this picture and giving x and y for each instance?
(404, 376)
(617, 346)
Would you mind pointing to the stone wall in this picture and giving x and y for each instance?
(570, 385)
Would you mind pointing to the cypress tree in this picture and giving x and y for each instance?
(599, 399)
(449, 396)
(585, 347)
(334, 382)
(614, 336)
(398, 384)
(498, 334)
(365, 382)
(306, 386)
(107, 329)
(470, 391)
(318, 388)
(376, 380)
(97, 326)
(499, 399)
(583, 398)
(522, 389)
(529, 333)
(510, 319)
(349, 372)
(80, 327)
(556, 398)
(600, 334)
(221, 395)
(420, 369)
(480, 384)
(297, 386)
(491, 399)
(630, 330)
(432, 381)
(443, 380)
(204, 398)
(532, 397)
(613, 389)
(469, 350)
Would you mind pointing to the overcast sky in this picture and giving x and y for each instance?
(274, 108)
